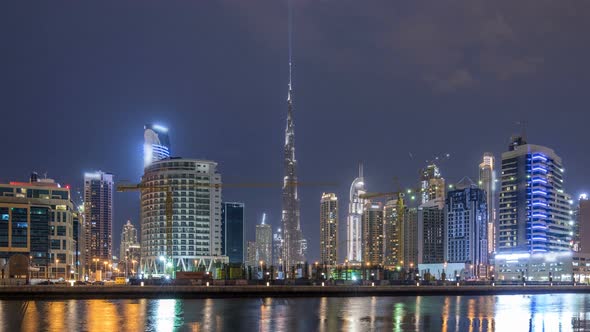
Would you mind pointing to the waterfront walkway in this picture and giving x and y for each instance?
(173, 292)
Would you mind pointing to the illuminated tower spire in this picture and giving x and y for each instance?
(293, 251)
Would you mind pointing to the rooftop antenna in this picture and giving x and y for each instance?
(361, 170)
(290, 32)
(522, 124)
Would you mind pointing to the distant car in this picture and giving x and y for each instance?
(45, 283)
(98, 283)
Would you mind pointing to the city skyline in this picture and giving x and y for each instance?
(210, 115)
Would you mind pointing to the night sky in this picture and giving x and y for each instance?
(375, 81)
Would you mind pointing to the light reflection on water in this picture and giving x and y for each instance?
(565, 312)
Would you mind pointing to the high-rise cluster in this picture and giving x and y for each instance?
(461, 228)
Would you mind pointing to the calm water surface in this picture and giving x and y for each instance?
(564, 312)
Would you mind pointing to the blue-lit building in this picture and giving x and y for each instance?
(156, 144)
(535, 212)
(232, 231)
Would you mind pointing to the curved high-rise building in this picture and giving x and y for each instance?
(196, 221)
(355, 219)
(156, 144)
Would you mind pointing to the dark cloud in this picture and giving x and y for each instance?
(448, 44)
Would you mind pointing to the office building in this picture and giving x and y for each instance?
(264, 241)
(251, 254)
(582, 225)
(232, 232)
(487, 182)
(409, 245)
(329, 229)
(98, 215)
(156, 144)
(79, 227)
(37, 224)
(466, 226)
(373, 233)
(393, 214)
(354, 222)
(431, 229)
(194, 239)
(535, 212)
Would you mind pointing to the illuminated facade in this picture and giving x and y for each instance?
(156, 144)
(290, 217)
(329, 229)
(373, 233)
(487, 182)
(564, 266)
(98, 215)
(128, 240)
(196, 218)
(393, 214)
(277, 248)
(264, 242)
(432, 184)
(535, 212)
(354, 221)
(466, 226)
(38, 221)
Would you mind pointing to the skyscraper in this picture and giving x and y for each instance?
(128, 239)
(487, 182)
(431, 228)
(409, 245)
(373, 233)
(195, 236)
(156, 144)
(251, 254)
(466, 226)
(264, 241)
(393, 214)
(329, 229)
(98, 211)
(277, 248)
(232, 231)
(582, 225)
(291, 213)
(535, 212)
(432, 184)
(354, 226)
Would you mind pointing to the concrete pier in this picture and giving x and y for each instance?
(191, 292)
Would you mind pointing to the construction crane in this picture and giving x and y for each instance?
(169, 189)
(393, 194)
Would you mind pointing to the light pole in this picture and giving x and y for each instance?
(56, 272)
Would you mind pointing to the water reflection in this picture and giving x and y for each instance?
(566, 312)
